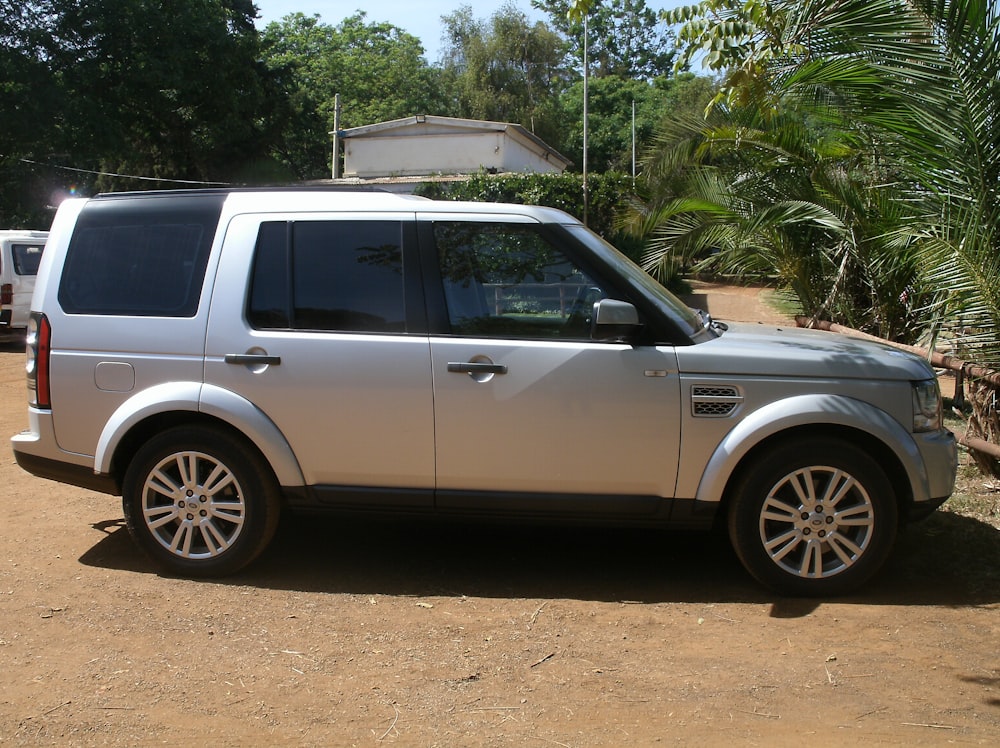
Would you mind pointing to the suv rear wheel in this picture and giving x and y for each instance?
(199, 502)
(813, 517)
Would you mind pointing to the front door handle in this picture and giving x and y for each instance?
(252, 358)
(476, 368)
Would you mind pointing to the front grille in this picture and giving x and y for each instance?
(714, 401)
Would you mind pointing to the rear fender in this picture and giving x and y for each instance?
(194, 397)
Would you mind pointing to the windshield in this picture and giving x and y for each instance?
(685, 317)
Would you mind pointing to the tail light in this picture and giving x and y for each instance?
(38, 343)
(6, 294)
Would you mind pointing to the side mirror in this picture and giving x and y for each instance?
(614, 320)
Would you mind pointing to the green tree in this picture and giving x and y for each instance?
(610, 102)
(131, 87)
(164, 91)
(379, 71)
(754, 193)
(291, 51)
(29, 131)
(505, 69)
(626, 39)
(27, 85)
(909, 87)
(920, 79)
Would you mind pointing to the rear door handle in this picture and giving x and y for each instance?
(476, 368)
(252, 358)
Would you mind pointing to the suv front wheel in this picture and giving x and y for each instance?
(813, 517)
(199, 502)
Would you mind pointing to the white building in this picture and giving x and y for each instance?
(427, 145)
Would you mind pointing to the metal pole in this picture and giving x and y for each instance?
(335, 159)
(633, 142)
(586, 75)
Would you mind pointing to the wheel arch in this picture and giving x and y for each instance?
(833, 416)
(175, 404)
(886, 458)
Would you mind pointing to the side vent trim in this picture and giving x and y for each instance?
(714, 400)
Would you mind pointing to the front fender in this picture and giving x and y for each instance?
(196, 397)
(814, 411)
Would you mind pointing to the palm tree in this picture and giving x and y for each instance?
(911, 89)
(726, 196)
(766, 190)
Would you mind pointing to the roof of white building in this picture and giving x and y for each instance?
(427, 124)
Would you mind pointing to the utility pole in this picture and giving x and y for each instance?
(335, 159)
(586, 76)
(633, 142)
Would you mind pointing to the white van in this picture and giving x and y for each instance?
(20, 253)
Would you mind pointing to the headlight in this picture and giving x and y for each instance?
(926, 406)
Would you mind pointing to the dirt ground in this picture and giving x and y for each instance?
(371, 634)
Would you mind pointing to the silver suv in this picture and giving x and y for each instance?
(215, 356)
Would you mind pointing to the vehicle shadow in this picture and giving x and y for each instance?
(933, 563)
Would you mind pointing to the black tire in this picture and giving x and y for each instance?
(200, 502)
(815, 517)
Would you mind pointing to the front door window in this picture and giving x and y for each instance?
(507, 281)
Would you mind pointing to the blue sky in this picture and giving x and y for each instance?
(422, 18)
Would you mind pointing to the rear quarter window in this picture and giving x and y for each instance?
(140, 256)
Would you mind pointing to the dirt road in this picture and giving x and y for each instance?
(369, 634)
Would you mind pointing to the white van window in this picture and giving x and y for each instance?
(26, 258)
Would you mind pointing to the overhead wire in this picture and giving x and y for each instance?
(122, 176)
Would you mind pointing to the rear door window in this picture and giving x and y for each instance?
(344, 276)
